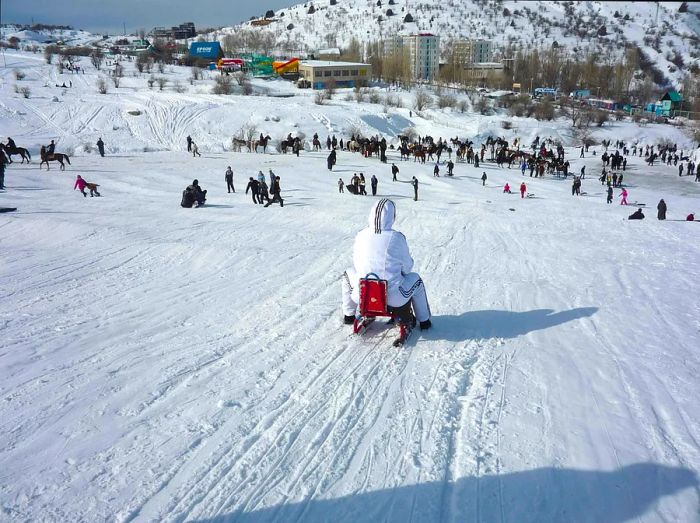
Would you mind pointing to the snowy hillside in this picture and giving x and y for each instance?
(168, 364)
(604, 28)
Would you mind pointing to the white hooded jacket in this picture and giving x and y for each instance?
(383, 251)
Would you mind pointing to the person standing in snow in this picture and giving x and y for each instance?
(436, 170)
(189, 143)
(373, 182)
(523, 189)
(261, 177)
(262, 192)
(331, 160)
(195, 150)
(394, 172)
(414, 182)
(362, 184)
(272, 177)
(229, 180)
(450, 167)
(661, 208)
(381, 250)
(101, 147)
(610, 194)
(341, 184)
(506, 188)
(483, 179)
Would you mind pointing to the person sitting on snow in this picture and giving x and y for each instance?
(637, 215)
(193, 195)
(381, 250)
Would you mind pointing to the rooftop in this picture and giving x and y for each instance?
(330, 63)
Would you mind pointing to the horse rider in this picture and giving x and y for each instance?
(11, 144)
(51, 148)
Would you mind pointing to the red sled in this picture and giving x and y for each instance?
(373, 304)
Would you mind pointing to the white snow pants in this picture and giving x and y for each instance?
(411, 288)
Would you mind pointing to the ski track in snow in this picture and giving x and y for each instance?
(162, 364)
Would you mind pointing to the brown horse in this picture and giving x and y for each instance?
(17, 150)
(55, 157)
(261, 143)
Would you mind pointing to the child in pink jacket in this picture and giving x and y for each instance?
(623, 195)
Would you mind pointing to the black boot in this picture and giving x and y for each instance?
(425, 325)
(348, 320)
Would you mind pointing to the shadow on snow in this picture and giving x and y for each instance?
(546, 494)
(500, 324)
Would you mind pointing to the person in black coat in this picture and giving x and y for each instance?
(101, 147)
(331, 160)
(610, 194)
(483, 179)
(637, 215)
(373, 182)
(394, 171)
(189, 144)
(414, 182)
(276, 193)
(254, 187)
(661, 208)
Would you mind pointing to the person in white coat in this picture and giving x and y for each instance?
(381, 250)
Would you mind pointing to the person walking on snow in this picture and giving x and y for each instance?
(483, 179)
(80, 184)
(381, 250)
(523, 188)
(254, 187)
(229, 180)
(189, 143)
(436, 170)
(394, 172)
(276, 193)
(610, 194)
(195, 150)
(101, 147)
(331, 160)
(623, 195)
(414, 182)
(373, 182)
(341, 184)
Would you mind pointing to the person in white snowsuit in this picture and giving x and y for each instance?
(381, 250)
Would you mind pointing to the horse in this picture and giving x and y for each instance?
(262, 143)
(237, 143)
(24, 153)
(316, 144)
(55, 157)
(419, 154)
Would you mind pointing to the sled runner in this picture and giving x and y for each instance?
(373, 305)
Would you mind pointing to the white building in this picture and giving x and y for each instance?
(424, 55)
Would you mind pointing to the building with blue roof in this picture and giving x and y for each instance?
(207, 50)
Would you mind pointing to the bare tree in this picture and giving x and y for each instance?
(161, 82)
(422, 101)
(19, 75)
(116, 80)
(48, 56)
(151, 81)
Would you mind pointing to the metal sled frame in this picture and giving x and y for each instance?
(373, 304)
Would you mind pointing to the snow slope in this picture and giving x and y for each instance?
(161, 363)
(656, 27)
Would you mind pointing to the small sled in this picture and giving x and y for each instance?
(373, 305)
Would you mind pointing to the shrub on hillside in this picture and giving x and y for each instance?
(101, 86)
(19, 75)
(223, 85)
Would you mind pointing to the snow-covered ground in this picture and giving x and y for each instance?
(160, 363)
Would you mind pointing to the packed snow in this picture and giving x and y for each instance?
(168, 364)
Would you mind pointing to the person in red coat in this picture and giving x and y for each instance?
(523, 188)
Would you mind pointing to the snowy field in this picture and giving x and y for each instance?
(160, 363)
